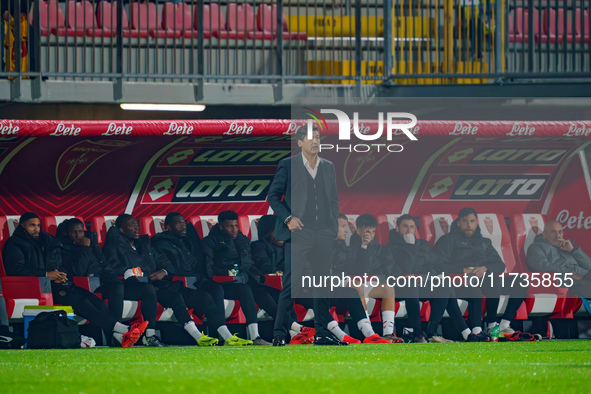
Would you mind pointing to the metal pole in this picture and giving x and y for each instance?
(358, 48)
(388, 56)
(118, 85)
(199, 93)
(278, 88)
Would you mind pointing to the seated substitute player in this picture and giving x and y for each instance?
(269, 259)
(131, 256)
(227, 253)
(414, 256)
(81, 256)
(31, 251)
(344, 297)
(465, 250)
(551, 252)
(182, 246)
(365, 256)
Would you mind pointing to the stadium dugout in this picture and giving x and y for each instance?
(515, 174)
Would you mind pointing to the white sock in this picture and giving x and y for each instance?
(192, 329)
(297, 328)
(364, 326)
(224, 332)
(466, 333)
(477, 330)
(504, 324)
(491, 325)
(118, 336)
(120, 328)
(253, 331)
(388, 319)
(333, 327)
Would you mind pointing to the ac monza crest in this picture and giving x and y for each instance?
(357, 166)
(80, 157)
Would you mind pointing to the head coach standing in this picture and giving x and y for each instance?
(304, 197)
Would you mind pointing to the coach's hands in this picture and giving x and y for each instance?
(295, 224)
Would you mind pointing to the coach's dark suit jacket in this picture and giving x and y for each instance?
(291, 184)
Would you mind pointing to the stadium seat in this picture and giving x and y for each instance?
(100, 225)
(267, 22)
(553, 29)
(178, 18)
(582, 34)
(152, 225)
(521, 24)
(203, 224)
(214, 22)
(80, 16)
(50, 223)
(7, 226)
(106, 16)
(540, 301)
(144, 22)
(21, 291)
(52, 19)
(434, 226)
(240, 23)
(248, 225)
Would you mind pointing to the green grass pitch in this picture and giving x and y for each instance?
(536, 367)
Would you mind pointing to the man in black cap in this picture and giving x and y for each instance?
(31, 251)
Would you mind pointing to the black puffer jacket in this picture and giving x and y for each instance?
(78, 260)
(268, 258)
(417, 258)
(222, 252)
(373, 260)
(24, 255)
(458, 251)
(185, 254)
(121, 256)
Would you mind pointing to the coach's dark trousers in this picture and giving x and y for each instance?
(308, 252)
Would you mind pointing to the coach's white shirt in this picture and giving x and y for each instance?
(311, 171)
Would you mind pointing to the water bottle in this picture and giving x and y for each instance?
(236, 269)
(495, 333)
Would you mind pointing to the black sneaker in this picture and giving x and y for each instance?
(11, 341)
(480, 337)
(279, 340)
(153, 341)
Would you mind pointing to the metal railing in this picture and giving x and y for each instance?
(296, 41)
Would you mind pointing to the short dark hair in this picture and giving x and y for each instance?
(302, 131)
(169, 217)
(27, 216)
(404, 217)
(227, 215)
(122, 219)
(366, 220)
(467, 211)
(343, 216)
(73, 222)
